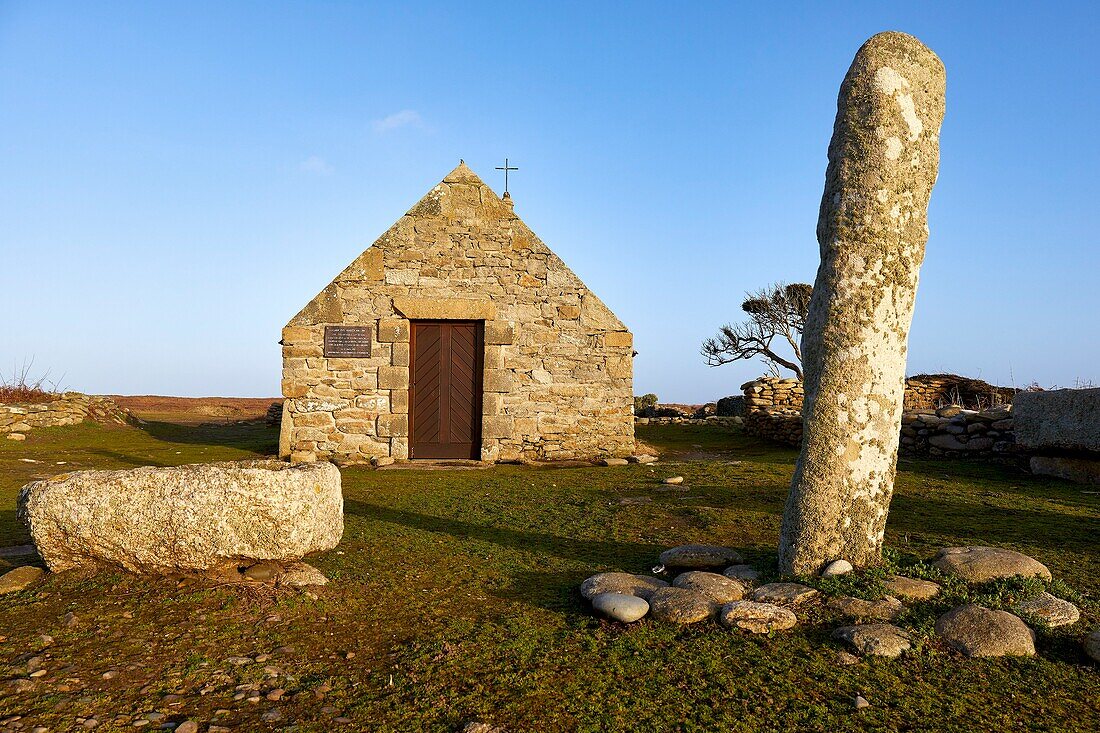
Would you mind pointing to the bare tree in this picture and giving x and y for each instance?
(777, 311)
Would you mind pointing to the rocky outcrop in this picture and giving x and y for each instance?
(1062, 429)
(1060, 419)
(200, 518)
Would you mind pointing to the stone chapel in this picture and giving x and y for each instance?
(457, 335)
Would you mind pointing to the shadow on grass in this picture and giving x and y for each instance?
(12, 531)
(993, 525)
(136, 461)
(603, 553)
(260, 439)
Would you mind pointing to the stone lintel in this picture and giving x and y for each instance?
(457, 309)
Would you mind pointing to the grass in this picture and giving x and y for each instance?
(453, 598)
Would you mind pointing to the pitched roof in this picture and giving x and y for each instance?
(461, 199)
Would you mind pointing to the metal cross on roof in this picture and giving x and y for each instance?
(506, 168)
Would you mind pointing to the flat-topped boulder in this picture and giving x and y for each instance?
(912, 589)
(757, 618)
(680, 606)
(191, 519)
(880, 640)
(745, 573)
(1050, 609)
(786, 594)
(977, 631)
(19, 579)
(642, 586)
(718, 588)
(980, 564)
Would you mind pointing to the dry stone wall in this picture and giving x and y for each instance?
(775, 413)
(558, 364)
(69, 408)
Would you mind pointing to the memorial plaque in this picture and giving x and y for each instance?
(347, 341)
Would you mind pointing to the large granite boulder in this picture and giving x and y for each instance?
(192, 519)
(1060, 419)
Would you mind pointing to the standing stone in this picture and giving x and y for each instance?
(872, 229)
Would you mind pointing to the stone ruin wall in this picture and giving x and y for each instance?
(774, 412)
(558, 365)
(69, 408)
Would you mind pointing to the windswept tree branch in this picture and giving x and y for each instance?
(778, 310)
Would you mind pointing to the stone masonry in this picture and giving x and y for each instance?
(558, 364)
(69, 408)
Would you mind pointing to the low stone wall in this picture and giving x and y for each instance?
(953, 431)
(932, 391)
(779, 424)
(69, 408)
(772, 392)
(684, 420)
(774, 412)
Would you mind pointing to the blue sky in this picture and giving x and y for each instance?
(177, 179)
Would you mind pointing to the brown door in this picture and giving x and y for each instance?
(445, 392)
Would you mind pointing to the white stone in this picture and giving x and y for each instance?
(620, 606)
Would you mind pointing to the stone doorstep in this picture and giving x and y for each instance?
(436, 464)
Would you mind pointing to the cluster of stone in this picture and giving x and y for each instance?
(557, 363)
(711, 583)
(775, 413)
(69, 408)
(1061, 429)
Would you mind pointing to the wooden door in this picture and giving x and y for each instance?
(445, 389)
